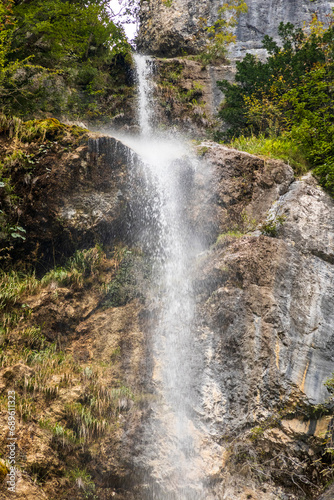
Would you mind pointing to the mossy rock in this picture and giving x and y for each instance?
(77, 131)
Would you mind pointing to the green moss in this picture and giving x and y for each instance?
(229, 234)
(202, 151)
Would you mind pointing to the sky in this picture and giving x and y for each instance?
(130, 29)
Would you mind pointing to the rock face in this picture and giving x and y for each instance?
(266, 307)
(171, 29)
(75, 195)
(263, 18)
(276, 293)
(263, 331)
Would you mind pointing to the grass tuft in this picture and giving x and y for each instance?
(280, 148)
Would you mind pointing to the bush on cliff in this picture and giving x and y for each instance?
(58, 56)
(220, 33)
(288, 99)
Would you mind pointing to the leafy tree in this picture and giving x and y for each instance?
(58, 32)
(290, 95)
(285, 67)
(9, 66)
(220, 33)
(56, 55)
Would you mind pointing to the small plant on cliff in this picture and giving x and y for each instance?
(220, 33)
(271, 226)
(83, 422)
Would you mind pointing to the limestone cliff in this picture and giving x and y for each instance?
(172, 29)
(263, 333)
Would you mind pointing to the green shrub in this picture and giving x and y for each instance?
(283, 107)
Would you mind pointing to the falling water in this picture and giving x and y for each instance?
(171, 440)
(144, 67)
(174, 451)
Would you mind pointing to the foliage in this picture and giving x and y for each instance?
(286, 102)
(56, 55)
(220, 33)
(63, 31)
(10, 65)
(60, 433)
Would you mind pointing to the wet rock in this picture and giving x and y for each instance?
(76, 198)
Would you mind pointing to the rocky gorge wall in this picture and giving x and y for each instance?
(169, 29)
(264, 325)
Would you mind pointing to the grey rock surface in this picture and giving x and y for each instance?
(264, 17)
(266, 307)
(264, 328)
(172, 29)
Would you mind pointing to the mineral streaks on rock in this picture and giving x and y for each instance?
(307, 302)
(170, 29)
(267, 304)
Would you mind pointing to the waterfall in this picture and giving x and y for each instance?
(174, 452)
(144, 67)
(169, 165)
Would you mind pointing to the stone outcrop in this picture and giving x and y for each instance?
(170, 29)
(283, 285)
(266, 316)
(186, 94)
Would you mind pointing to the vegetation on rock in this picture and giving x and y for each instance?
(220, 34)
(284, 106)
(65, 395)
(63, 58)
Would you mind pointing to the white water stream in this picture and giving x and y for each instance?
(173, 451)
(176, 452)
